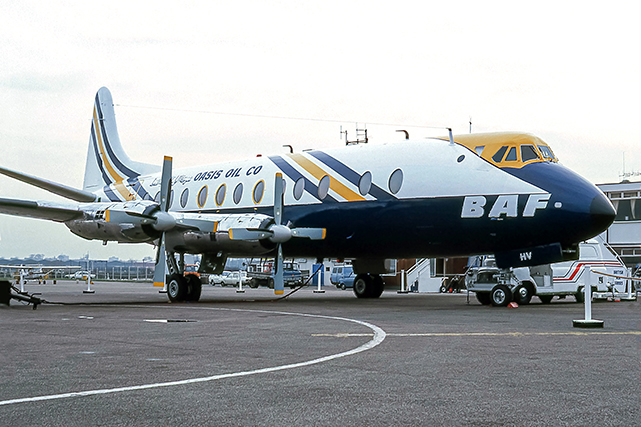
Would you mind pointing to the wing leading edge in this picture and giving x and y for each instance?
(40, 210)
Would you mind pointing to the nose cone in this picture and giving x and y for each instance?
(602, 213)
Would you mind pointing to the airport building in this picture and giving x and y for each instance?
(624, 235)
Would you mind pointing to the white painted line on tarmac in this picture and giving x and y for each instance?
(481, 334)
(377, 338)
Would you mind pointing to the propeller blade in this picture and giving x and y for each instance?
(278, 199)
(165, 184)
(310, 233)
(279, 280)
(161, 263)
(248, 234)
(165, 221)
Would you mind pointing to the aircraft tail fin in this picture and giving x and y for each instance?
(107, 162)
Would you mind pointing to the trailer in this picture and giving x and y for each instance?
(597, 263)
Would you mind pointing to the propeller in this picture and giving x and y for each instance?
(277, 233)
(163, 222)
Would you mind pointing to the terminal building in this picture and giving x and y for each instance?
(624, 235)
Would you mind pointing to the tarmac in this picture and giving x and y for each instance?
(125, 356)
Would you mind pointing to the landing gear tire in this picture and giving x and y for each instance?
(522, 295)
(194, 288)
(500, 296)
(177, 288)
(368, 286)
(362, 285)
(378, 286)
(483, 298)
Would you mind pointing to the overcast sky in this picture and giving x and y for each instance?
(565, 71)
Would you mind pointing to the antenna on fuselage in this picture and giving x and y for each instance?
(361, 136)
(407, 134)
(451, 136)
(470, 124)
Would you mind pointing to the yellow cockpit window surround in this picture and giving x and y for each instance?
(507, 149)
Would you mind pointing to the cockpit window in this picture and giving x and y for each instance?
(479, 150)
(547, 152)
(511, 155)
(528, 153)
(499, 154)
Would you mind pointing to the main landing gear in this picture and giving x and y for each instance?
(182, 287)
(368, 286)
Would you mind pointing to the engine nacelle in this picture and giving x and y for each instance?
(199, 241)
(96, 226)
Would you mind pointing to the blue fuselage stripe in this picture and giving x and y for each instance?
(350, 174)
(112, 156)
(294, 175)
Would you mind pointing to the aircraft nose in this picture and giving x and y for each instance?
(602, 213)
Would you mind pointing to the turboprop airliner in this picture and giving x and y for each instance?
(504, 194)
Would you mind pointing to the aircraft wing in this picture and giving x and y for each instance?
(53, 187)
(41, 210)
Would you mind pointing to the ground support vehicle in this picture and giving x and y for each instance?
(262, 274)
(500, 287)
(343, 276)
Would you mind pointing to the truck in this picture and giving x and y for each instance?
(500, 287)
(261, 273)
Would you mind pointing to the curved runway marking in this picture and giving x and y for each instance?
(379, 336)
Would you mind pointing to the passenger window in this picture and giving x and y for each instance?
(365, 183)
(528, 153)
(220, 194)
(259, 189)
(511, 155)
(323, 187)
(299, 187)
(395, 181)
(202, 196)
(184, 196)
(238, 193)
(498, 156)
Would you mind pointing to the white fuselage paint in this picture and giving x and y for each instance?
(430, 169)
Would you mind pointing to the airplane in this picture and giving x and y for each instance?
(498, 193)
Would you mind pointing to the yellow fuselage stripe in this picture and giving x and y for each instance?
(318, 173)
(118, 184)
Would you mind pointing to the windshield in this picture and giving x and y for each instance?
(547, 152)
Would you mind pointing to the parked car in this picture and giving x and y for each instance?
(81, 275)
(217, 279)
(343, 276)
(228, 278)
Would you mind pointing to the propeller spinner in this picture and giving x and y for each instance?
(277, 233)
